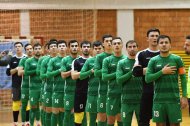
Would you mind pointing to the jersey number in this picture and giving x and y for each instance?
(101, 105)
(156, 113)
(57, 101)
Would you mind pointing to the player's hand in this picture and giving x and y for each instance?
(183, 102)
(10, 53)
(92, 70)
(169, 69)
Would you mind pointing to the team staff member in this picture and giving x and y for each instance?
(102, 90)
(12, 70)
(131, 86)
(92, 95)
(164, 70)
(25, 85)
(81, 85)
(54, 70)
(113, 106)
(70, 84)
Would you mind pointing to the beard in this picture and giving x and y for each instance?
(37, 54)
(86, 53)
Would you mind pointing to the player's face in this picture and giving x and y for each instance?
(97, 50)
(37, 51)
(29, 50)
(53, 48)
(86, 49)
(18, 48)
(62, 47)
(107, 43)
(46, 50)
(74, 47)
(187, 46)
(117, 45)
(132, 49)
(164, 45)
(152, 38)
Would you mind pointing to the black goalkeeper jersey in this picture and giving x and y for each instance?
(81, 85)
(16, 80)
(142, 59)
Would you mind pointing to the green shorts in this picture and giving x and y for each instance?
(101, 103)
(170, 110)
(57, 100)
(69, 101)
(91, 105)
(34, 97)
(47, 99)
(127, 111)
(113, 106)
(24, 95)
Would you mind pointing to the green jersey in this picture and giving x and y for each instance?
(70, 84)
(109, 74)
(131, 86)
(43, 74)
(54, 70)
(30, 70)
(166, 87)
(38, 70)
(25, 78)
(93, 82)
(98, 72)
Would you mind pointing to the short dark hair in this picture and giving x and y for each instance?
(188, 37)
(18, 43)
(36, 45)
(26, 46)
(96, 43)
(85, 42)
(46, 44)
(116, 38)
(130, 41)
(152, 30)
(162, 37)
(106, 36)
(61, 42)
(52, 41)
(72, 41)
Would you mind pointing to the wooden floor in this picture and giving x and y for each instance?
(6, 119)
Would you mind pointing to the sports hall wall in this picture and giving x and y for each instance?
(65, 24)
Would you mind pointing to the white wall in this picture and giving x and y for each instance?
(94, 4)
(125, 26)
(24, 23)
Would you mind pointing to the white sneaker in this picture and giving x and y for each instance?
(15, 123)
(27, 124)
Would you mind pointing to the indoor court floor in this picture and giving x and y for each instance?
(6, 119)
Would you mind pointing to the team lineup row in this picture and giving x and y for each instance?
(109, 86)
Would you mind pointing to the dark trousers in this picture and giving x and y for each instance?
(146, 109)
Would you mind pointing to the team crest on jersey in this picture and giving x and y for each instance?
(33, 64)
(81, 64)
(113, 64)
(127, 68)
(148, 58)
